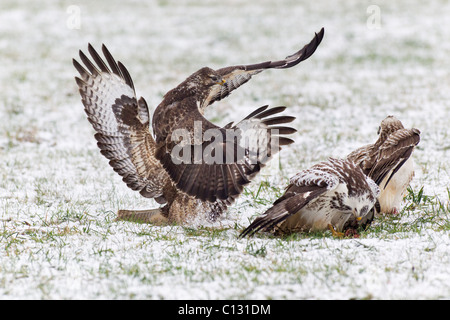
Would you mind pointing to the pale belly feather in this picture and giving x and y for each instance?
(392, 196)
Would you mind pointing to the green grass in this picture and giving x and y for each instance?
(420, 212)
(59, 197)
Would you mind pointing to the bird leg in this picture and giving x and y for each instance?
(335, 233)
(152, 216)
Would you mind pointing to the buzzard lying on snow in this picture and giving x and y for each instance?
(165, 165)
(334, 194)
(389, 163)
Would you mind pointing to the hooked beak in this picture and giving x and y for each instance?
(221, 82)
(355, 213)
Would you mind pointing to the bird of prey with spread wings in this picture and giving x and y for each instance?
(333, 194)
(191, 165)
(389, 163)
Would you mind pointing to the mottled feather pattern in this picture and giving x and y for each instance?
(225, 180)
(236, 76)
(317, 175)
(394, 152)
(326, 194)
(385, 158)
(329, 174)
(122, 138)
(145, 162)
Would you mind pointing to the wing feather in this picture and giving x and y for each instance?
(393, 153)
(290, 204)
(121, 122)
(225, 177)
(235, 76)
(305, 187)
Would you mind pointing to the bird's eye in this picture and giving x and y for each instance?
(364, 210)
(214, 78)
(346, 208)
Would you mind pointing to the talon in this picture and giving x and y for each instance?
(335, 233)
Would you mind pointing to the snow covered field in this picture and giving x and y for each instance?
(58, 196)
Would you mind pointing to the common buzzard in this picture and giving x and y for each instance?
(333, 194)
(389, 163)
(177, 165)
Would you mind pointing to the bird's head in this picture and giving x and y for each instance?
(356, 194)
(206, 78)
(360, 212)
(357, 199)
(202, 84)
(389, 125)
(210, 77)
(206, 84)
(358, 207)
(363, 201)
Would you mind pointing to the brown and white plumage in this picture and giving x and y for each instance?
(121, 122)
(334, 193)
(146, 161)
(388, 162)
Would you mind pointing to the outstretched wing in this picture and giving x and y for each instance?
(121, 122)
(304, 187)
(225, 159)
(235, 76)
(394, 152)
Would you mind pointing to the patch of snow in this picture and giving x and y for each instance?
(58, 195)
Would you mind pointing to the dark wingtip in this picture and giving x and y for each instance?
(311, 47)
(247, 232)
(257, 225)
(283, 141)
(304, 53)
(320, 34)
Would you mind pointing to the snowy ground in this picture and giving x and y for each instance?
(58, 196)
